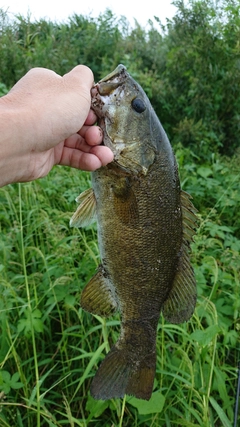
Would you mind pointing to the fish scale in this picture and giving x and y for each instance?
(145, 226)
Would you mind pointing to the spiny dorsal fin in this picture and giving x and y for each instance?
(181, 301)
(98, 296)
(86, 211)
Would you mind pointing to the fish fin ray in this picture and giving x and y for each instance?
(119, 375)
(125, 203)
(98, 295)
(86, 211)
(144, 375)
(181, 300)
(189, 218)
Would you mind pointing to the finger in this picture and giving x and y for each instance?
(94, 137)
(99, 156)
(78, 77)
(91, 118)
(104, 154)
(77, 141)
(92, 134)
(79, 159)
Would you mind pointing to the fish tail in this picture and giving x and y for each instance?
(129, 368)
(118, 375)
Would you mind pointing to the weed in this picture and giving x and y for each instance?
(50, 348)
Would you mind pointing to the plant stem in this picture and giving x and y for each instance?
(29, 306)
(122, 412)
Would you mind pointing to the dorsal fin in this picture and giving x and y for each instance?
(181, 300)
(189, 218)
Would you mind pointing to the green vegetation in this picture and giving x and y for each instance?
(49, 347)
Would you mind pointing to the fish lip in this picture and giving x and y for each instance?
(96, 101)
(106, 88)
(110, 82)
(121, 69)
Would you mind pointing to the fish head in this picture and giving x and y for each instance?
(128, 121)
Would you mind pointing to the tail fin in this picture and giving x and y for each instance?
(121, 373)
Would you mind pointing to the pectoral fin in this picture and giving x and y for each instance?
(125, 203)
(181, 301)
(98, 296)
(86, 211)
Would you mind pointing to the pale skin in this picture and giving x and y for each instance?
(46, 120)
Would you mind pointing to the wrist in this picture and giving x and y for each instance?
(12, 155)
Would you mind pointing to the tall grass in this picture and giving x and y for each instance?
(50, 348)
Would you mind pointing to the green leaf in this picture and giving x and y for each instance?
(153, 406)
(205, 337)
(70, 300)
(15, 384)
(96, 407)
(223, 417)
(32, 320)
(7, 382)
(205, 172)
(5, 378)
(59, 294)
(37, 322)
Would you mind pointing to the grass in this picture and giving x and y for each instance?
(50, 348)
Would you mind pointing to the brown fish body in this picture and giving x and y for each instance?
(142, 239)
(138, 218)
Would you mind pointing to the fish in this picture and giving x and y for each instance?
(145, 223)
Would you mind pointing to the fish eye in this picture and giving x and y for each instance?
(138, 105)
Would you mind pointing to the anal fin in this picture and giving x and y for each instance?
(98, 296)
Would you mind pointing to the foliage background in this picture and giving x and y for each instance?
(49, 348)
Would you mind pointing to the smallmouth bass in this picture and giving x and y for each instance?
(145, 226)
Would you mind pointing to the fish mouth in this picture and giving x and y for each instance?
(101, 100)
(112, 81)
(98, 105)
(118, 72)
(108, 84)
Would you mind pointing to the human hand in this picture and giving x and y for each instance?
(48, 121)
